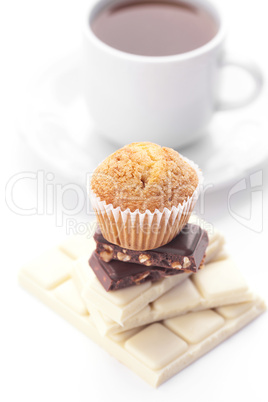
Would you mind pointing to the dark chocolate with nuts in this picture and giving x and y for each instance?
(116, 274)
(184, 253)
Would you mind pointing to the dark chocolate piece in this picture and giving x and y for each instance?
(116, 274)
(185, 252)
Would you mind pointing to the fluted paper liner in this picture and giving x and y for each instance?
(147, 230)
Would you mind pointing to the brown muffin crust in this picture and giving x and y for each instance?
(143, 176)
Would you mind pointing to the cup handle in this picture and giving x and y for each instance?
(253, 71)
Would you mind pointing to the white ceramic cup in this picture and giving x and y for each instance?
(169, 99)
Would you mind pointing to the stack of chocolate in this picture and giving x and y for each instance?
(136, 284)
(118, 268)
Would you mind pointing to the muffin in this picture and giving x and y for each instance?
(143, 195)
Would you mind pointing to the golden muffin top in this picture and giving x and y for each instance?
(143, 175)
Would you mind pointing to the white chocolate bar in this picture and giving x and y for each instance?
(217, 284)
(156, 352)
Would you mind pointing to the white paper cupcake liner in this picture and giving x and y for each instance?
(147, 230)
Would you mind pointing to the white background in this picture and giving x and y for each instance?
(43, 358)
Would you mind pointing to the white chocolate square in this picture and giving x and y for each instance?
(184, 295)
(156, 346)
(124, 336)
(196, 326)
(50, 269)
(219, 279)
(78, 246)
(214, 248)
(103, 322)
(234, 310)
(120, 297)
(68, 294)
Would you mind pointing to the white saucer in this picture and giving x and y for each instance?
(57, 127)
